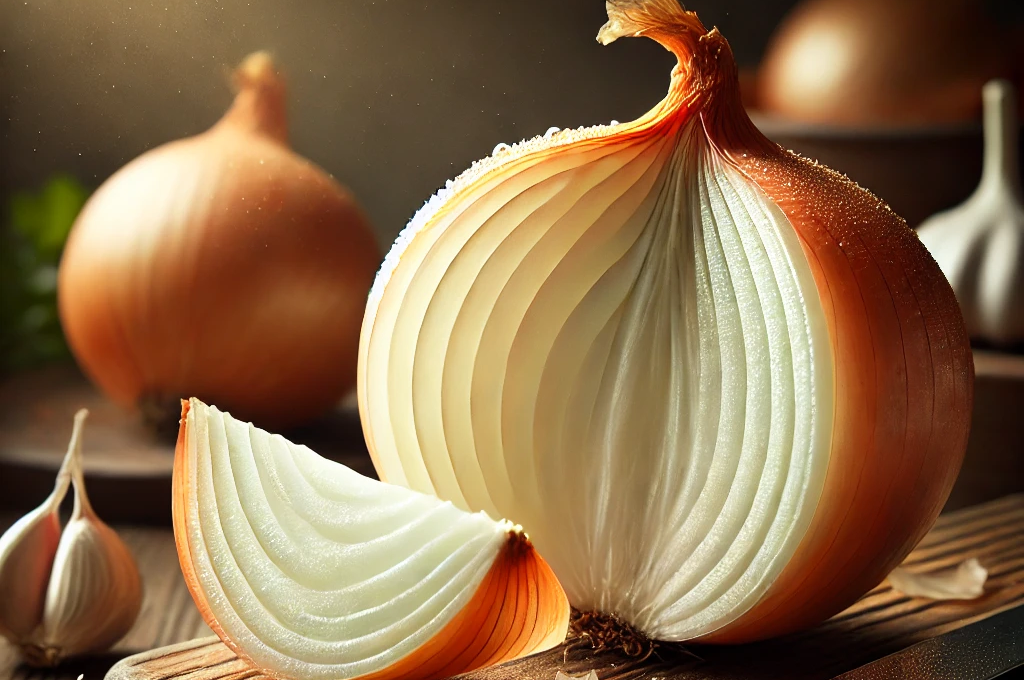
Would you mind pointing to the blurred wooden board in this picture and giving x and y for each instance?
(128, 467)
(881, 623)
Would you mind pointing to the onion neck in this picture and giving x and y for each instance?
(705, 79)
(259, 106)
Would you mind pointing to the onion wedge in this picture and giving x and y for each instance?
(308, 570)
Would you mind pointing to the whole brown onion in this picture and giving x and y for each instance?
(882, 62)
(222, 266)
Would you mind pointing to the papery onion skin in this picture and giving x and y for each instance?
(518, 609)
(900, 361)
(222, 265)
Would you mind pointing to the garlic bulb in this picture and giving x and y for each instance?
(980, 244)
(27, 550)
(67, 593)
(724, 389)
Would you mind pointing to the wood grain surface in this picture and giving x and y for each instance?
(129, 468)
(127, 465)
(881, 623)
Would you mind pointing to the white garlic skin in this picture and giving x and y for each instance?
(71, 592)
(980, 244)
(94, 594)
(27, 550)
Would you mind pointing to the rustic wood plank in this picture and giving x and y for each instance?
(129, 468)
(127, 465)
(881, 623)
(985, 649)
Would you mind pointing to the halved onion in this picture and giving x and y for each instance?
(309, 570)
(724, 388)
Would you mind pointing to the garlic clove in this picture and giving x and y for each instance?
(95, 592)
(26, 556)
(27, 552)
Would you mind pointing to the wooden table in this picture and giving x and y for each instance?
(129, 468)
(881, 623)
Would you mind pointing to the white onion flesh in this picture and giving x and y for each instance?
(634, 295)
(313, 570)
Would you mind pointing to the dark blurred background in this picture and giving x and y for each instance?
(392, 96)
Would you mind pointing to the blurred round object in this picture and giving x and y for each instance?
(222, 265)
(883, 62)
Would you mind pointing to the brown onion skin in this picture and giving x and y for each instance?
(221, 265)
(900, 430)
(882, 62)
(904, 372)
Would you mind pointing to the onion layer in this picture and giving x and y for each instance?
(724, 388)
(308, 570)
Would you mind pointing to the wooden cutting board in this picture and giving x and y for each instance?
(881, 623)
(128, 467)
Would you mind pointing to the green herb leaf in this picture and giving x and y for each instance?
(45, 218)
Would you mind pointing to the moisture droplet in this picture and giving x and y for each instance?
(614, 122)
(551, 131)
(502, 147)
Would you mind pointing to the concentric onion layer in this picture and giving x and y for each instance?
(619, 343)
(904, 377)
(309, 570)
(724, 388)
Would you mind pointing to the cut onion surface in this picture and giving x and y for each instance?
(307, 569)
(725, 389)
